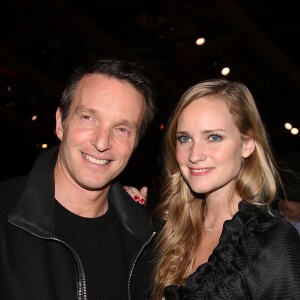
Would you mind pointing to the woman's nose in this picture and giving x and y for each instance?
(197, 153)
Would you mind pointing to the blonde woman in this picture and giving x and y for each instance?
(218, 236)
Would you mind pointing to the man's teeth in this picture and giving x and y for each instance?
(96, 161)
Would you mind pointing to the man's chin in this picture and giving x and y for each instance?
(96, 186)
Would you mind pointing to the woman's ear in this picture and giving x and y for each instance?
(59, 127)
(248, 147)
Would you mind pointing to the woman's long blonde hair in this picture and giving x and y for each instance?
(179, 211)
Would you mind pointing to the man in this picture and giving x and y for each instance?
(69, 230)
(290, 209)
(289, 203)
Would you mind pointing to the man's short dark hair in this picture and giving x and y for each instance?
(290, 173)
(131, 72)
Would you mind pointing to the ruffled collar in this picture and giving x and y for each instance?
(231, 255)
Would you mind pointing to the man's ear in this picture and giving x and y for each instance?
(59, 126)
(248, 147)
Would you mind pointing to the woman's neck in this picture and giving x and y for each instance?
(217, 211)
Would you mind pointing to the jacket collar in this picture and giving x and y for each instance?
(133, 217)
(35, 209)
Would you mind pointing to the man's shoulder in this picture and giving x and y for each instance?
(13, 183)
(10, 191)
(132, 215)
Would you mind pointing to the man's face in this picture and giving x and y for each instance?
(290, 209)
(100, 132)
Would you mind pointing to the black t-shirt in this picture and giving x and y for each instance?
(98, 242)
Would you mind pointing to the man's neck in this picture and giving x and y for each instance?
(84, 207)
(80, 201)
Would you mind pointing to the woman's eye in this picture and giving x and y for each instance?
(183, 139)
(215, 138)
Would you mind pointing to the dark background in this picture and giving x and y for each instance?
(41, 41)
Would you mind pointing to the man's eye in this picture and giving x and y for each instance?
(86, 117)
(215, 137)
(123, 133)
(123, 130)
(183, 139)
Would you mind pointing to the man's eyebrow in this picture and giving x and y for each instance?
(81, 108)
(92, 111)
(128, 123)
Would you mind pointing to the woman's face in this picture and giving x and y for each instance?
(209, 147)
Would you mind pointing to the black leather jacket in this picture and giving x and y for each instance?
(34, 263)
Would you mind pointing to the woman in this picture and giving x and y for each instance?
(219, 238)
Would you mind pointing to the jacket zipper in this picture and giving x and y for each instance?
(81, 284)
(134, 263)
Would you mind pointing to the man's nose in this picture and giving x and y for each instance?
(102, 139)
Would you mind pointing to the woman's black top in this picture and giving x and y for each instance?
(258, 257)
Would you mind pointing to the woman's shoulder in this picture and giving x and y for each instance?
(257, 238)
(253, 243)
(264, 224)
(252, 231)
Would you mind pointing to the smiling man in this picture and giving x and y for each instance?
(68, 229)
(288, 203)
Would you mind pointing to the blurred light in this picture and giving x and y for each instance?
(9, 88)
(7, 72)
(9, 104)
(294, 131)
(44, 146)
(200, 41)
(162, 126)
(34, 118)
(225, 71)
(288, 126)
